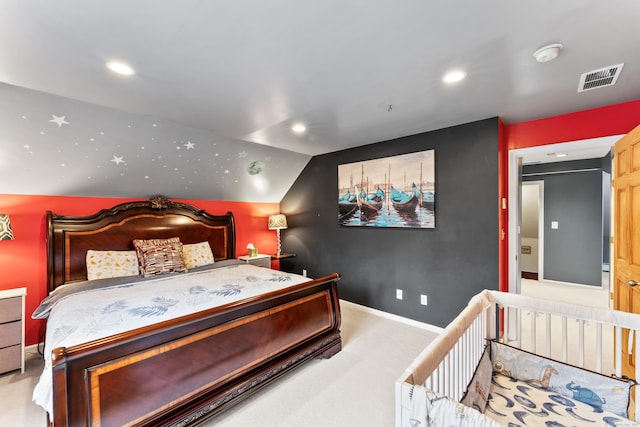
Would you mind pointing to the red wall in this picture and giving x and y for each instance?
(23, 260)
(605, 121)
(615, 119)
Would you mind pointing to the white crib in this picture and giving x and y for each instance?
(576, 335)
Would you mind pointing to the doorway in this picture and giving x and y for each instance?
(577, 150)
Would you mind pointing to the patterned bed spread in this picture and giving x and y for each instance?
(86, 311)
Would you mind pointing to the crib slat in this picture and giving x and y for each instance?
(581, 342)
(619, 351)
(564, 339)
(599, 348)
(533, 331)
(548, 353)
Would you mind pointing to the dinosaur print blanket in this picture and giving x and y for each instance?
(86, 311)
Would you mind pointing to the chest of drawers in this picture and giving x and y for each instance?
(12, 329)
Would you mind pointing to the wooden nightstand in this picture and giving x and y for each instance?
(12, 329)
(260, 260)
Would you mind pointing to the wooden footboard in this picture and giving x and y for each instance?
(185, 370)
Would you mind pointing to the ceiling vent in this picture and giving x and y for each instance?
(602, 77)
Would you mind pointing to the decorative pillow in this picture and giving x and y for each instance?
(108, 264)
(197, 254)
(157, 256)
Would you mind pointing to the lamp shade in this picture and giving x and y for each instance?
(277, 222)
(5, 228)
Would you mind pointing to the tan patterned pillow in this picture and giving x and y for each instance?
(197, 254)
(157, 256)
(108, 264)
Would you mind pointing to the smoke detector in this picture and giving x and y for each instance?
(548, 53)
(602, 77)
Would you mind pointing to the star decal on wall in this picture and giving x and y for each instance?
(190, 145)
(59, 120)
(117, 160)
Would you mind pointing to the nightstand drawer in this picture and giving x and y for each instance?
(10, 309)
(10, 334)
(10, 358)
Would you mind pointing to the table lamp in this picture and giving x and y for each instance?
(278, 222)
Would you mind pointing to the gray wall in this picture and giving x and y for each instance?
(573, 196)
(450, 263)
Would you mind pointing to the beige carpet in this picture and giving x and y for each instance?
(354, 388)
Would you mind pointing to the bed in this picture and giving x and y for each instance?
(185, 369)
(485, 369)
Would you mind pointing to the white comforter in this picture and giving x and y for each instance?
(75, 318)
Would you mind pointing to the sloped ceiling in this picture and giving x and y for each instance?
(51, 145)
(233, 76)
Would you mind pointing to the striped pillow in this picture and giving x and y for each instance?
(158, 256)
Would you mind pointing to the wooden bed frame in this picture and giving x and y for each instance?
(184, 370)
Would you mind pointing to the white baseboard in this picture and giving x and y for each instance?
(410, 322)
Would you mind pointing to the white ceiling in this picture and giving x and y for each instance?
(354, 71)
(594, 148)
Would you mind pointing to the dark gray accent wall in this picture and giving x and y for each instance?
(449, 264)
(573, 196)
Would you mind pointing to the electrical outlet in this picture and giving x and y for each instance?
(398, 293)
(423, 299)
(304, 273)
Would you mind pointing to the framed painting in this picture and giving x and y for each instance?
(396, 191)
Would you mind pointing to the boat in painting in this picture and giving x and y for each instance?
(372, 203)
(370, 206)
(347, 205)
(403, 202)
(428, 200)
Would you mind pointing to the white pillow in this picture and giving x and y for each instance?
(108, 264)
(197, 254)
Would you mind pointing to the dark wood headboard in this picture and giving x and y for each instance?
(69, 237)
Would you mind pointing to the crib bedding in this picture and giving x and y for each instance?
(515, 388)
(515, 402)
(87, 311)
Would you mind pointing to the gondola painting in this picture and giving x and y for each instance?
(397, 191)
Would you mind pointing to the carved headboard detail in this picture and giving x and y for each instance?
(69, 237)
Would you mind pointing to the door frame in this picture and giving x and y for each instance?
(514, 276)
(540, 186)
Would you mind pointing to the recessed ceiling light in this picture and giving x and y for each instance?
(454, 76)
(120, 68)
(298, 128)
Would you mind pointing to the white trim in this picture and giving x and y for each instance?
(406, 321)
(540, 185)
(513, 244)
